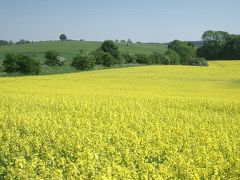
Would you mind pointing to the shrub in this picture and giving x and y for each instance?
(158, 58)
(53, 58)
(173, 56)
(108, 46)
(185, 51)
(21, 63)
(143, 59)
(129, 58)
(108, 60)
(27, 65)
(10, 63)
(198, 61)
(83, 61)
(98, 56)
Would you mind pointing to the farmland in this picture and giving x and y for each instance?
(156, 122)
(68, 49)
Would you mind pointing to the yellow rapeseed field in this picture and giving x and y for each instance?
(152, 122)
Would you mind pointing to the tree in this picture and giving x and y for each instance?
(53, 58)
(108, 60)
(21, 63)
(185, 51)
(213, 43)
(129, 58)
(198, 61)
(158, 58)
(10, 63)
(27, 65)
(63, 37)
(129, 41)
(143, 59)
(231, 49)
(98, 56)
(108, 46)
(173, 56)
(83, 61)
(3, 42)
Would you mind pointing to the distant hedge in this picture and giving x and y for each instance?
(21, 63)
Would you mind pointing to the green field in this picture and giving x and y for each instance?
(151, 122)
(68, 49)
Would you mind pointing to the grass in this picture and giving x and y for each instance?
(149, 122)
(68, 49)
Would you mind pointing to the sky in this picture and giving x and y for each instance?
(97, 20)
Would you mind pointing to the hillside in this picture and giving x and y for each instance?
(70, 48)
(162, 122)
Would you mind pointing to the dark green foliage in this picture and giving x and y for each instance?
(21, 63)
(198, 61)
(53, 58)
(184, 49)
(143, 59)
(129, 58)
(158, 58)
(10, 63)
(108, 46)
(83, 61)
(98, 56)
(219, 45)
(173, 56)
(63, 37)
(231, 49)
(108, 60)
(27, 65)
(22, 41)
(3, 42)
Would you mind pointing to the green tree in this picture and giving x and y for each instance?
(143, 59)
(63, 37)
(213, 44)
(173, 56)
(83, 61)
(53, 58)
(108, 46)
(27, 65)
(185, 51)
(108, 60)
(10, 63)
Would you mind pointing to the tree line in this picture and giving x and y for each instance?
(220, 45)
(106, 55)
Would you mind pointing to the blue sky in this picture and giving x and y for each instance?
(139, 20)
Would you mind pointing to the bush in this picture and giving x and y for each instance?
(143, 59)
(173, 56)
(27, 65)
(53, 58)
(21, 63)
(198, 61)
(108, 60)
(10, 63)
(129, 58)
(109, 47)
(83, 61)
(158, 58)
(98, 56)
(184, 49)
